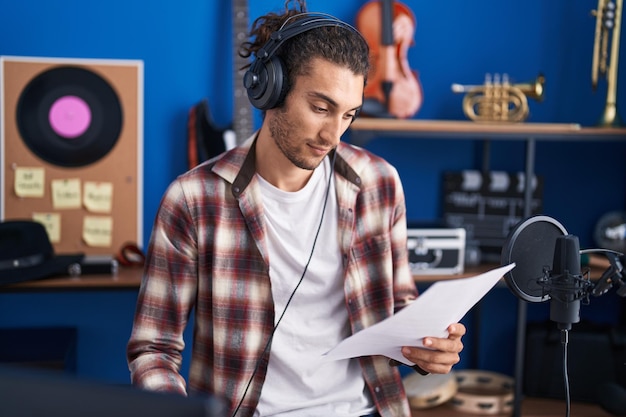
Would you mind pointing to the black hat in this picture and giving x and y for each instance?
(26, 253)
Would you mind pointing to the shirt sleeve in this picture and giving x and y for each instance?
(405, 290)
(166, 297)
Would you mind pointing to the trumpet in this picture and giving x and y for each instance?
(497, 100)
(608, 18)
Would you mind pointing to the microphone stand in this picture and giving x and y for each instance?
(567, 286)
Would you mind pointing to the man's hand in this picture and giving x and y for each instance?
(439, 354)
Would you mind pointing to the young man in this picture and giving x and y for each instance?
(284, 246)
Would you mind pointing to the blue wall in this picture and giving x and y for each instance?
(186, 49)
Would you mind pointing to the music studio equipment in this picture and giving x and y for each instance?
(393, 89)
(204, 138)
(610, 231)
(266, 80)
(436, 250)
(547, 262)
(483, 392)
(487, 205)
(428, 391)
(604, 62)
(548, 268)
(497, 100)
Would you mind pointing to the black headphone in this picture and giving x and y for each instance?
(266, 80)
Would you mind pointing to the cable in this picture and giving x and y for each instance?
(564, 340)
(306, 267)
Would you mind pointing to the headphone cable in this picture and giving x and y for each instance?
(306, 267)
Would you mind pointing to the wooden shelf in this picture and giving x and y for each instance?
(467, 273)
(597, 265)
(530, 407)
(364, 129)
(130, 278)
(126, 278)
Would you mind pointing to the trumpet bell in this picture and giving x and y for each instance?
(534, 90)
(605, 57)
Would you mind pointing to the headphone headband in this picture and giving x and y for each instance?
(288, 30)
(266, 79)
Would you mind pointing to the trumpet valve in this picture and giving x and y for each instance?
(497, 100)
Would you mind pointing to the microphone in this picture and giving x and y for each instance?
(547, 261)
(564, 283)
(612, 398)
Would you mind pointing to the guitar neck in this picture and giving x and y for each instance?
(242, 114)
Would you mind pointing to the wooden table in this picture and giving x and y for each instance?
(129, 278)
(531, 407)
(126, 278)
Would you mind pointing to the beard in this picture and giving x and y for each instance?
(282, 129)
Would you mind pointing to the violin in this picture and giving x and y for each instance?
(393, 89)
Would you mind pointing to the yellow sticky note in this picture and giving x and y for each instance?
(98, 196)
(66, 193)
(29, 182)
(98, 231)
(52, 223)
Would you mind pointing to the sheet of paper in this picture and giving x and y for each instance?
(442, 304)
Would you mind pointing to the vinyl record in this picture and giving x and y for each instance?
(69, 116)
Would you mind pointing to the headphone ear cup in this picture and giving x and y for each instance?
(268, 84)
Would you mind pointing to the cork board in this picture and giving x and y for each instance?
(72, 149)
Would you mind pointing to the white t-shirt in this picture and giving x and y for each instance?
(297, 382)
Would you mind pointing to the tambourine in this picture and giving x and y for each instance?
(483, 392)
(427, 391)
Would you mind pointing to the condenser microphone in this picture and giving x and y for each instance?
(564, 283)
(547, 261)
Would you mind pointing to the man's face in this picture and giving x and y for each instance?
(318, 109)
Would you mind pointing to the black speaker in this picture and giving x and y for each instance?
(266, 80)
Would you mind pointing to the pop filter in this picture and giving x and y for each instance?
(530, 245)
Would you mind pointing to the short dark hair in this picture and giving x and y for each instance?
(336, 44)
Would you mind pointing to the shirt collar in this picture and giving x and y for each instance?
(242, 160)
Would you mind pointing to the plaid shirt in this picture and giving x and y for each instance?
(208, 252)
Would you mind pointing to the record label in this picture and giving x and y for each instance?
(70, 116)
